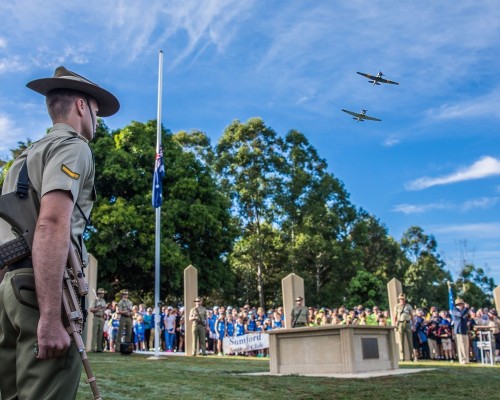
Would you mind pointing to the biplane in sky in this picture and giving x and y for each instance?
(377, 79)
(360, 117)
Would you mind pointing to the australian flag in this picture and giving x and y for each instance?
(450, 298)
(157, 178)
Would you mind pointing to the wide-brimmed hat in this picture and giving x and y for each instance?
(299, 299)
(402, 296)
(458, 301)
(198, 299)
(66, 79)
(124, 291)
(101, 290)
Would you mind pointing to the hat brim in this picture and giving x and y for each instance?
(108, 103)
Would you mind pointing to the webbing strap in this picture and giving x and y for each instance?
(23, 181)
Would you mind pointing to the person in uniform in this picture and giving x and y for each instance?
(97, 308)
(38, 359)
(124, 309)
(403, 314)
(198, 316)
(300, 314)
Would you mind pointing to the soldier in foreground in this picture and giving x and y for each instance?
(38, 359)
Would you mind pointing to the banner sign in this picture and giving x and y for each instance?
(244, 343)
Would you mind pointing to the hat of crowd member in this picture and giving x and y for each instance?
(215, 307)
(124, 291)
(170, 308)
(368, 309)
(299, 299)
(458, 301)
(229, 307)
(198, 299)
(101, 290)
(66, 79)
(402, 296)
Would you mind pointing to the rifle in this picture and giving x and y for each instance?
(21, 212)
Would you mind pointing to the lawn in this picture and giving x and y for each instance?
(123, 377)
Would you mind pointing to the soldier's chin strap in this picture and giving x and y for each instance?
(91, 116)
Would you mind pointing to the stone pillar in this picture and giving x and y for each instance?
(190, 293)
(91, 274)
(496, 298)
(292, 286)
(394, 288)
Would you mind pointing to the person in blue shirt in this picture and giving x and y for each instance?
(220, 328)
(461, 330)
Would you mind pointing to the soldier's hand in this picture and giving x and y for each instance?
(53, 339)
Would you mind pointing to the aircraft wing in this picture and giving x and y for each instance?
(368, 76)
(357, 115)
(369, 118)
(387, 81)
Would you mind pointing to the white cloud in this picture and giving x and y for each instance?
(9, 133)
(420, 208)
(391, 141)
(485, 167)
(483, 106)
(476, 231)
(482, 202)
(3, 43)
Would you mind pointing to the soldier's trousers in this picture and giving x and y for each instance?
(405, 334)
(199, 338)
(22, 375)
(97, 333)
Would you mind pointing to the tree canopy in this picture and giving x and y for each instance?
(246, 213)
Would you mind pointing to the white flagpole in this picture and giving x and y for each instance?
(158, 215)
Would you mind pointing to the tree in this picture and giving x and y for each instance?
(196, 222)
(425, 280)
(250, 166)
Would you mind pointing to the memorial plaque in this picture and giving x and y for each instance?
(370, 348)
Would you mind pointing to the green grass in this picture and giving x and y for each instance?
(135, 377)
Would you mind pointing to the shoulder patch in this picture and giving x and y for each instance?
(71, 174)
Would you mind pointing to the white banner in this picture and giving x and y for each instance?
(248, 342)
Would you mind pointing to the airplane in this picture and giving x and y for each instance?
(360, 117)
(377, 79)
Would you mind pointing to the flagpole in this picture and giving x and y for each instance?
(158, 214)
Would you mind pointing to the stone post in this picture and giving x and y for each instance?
(190, 293)
(292, 286)
(394, 288)
(91, 273)
(496, 298)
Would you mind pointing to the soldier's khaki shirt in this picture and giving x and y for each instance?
(98, 302)
(125, 305)
(199, 314)
(300, 315)
(61, 160)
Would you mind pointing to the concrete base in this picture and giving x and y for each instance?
(345, 349)
(361, 375)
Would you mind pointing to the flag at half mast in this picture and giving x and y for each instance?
(157, 179)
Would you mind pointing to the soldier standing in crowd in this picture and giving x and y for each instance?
(461, 329)
(38, 359)
(97, 308)
(124, 308)
(403, 314)
(299, 314)
(198, 316)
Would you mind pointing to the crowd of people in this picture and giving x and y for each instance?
(432, 332)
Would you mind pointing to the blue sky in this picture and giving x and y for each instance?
(433, 161)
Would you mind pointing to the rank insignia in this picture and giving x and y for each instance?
(71, 174)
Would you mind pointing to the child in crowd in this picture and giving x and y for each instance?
(139, 333)
(114, 323)
(220, 329)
